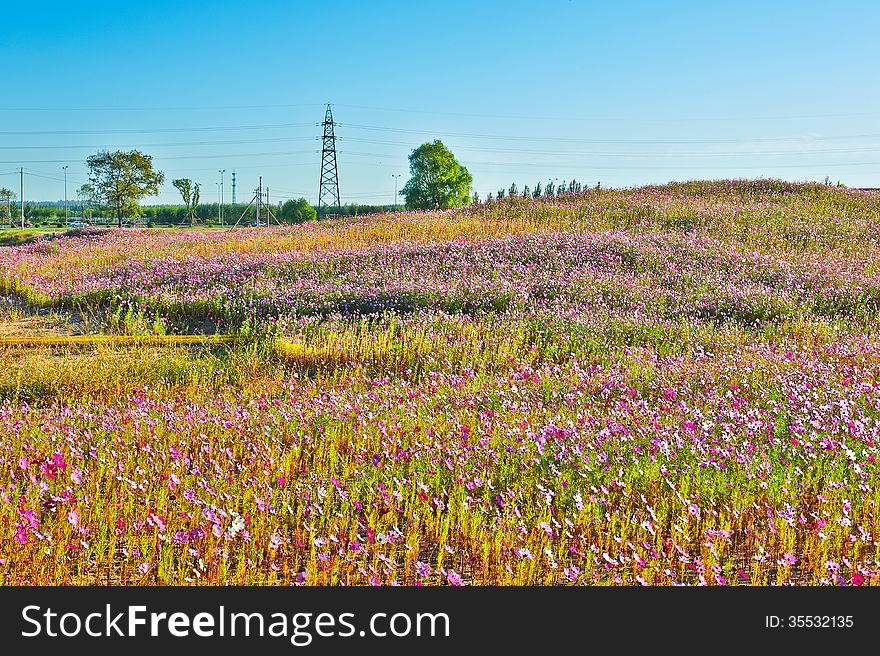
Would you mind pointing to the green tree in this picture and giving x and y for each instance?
(120, 179)
(189, 191)
(513, 191)
(537, 192)
(297, 211)
(6, 197)
(438, 181)
(527, 191)
(86, 192)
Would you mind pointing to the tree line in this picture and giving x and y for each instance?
(119, 180)
(550, 189)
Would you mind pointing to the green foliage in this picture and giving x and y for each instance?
(6, 197)
(297, 211)
(438, 181)
(352, 209)
(120, 179)
(189, 191)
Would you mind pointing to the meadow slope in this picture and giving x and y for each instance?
(664, 385)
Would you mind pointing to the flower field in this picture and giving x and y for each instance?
(657, 386)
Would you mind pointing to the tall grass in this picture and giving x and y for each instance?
(671, 385)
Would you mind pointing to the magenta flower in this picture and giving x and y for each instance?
(787, 559)
(454, 578)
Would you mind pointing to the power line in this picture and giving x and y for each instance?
(218, 128)
(667, 168)
(151, 109)
(530, 117)
(478, 135)
(682, 119)
(225, 142)
(175, 157)
(621, 153)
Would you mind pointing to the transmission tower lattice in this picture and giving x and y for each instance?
(329, 189)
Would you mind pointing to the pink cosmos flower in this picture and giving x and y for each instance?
(454, 578)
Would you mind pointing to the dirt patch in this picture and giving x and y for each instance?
(20, 319)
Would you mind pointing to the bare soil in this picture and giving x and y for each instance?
(20, 319)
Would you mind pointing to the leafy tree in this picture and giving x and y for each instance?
(120, 179)
(438, 181)
(6, 197)
(86, 192)
(526, 191)
(476, 199)
(537, 193)
(550, 189)
(189, 191)
(500, 193)
(513, 190)
(297, 211)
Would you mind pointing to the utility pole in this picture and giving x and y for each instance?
(328, 190)
(259, 200)
(233, 190)
(222, 171)
(395, 176)
(66, 216)
(21, 197)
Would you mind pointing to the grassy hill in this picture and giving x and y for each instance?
(672, 384)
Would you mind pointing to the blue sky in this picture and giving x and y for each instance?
(622, 93)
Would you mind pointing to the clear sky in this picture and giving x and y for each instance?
(622, 93)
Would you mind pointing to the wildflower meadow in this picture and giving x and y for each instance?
(671, 385)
